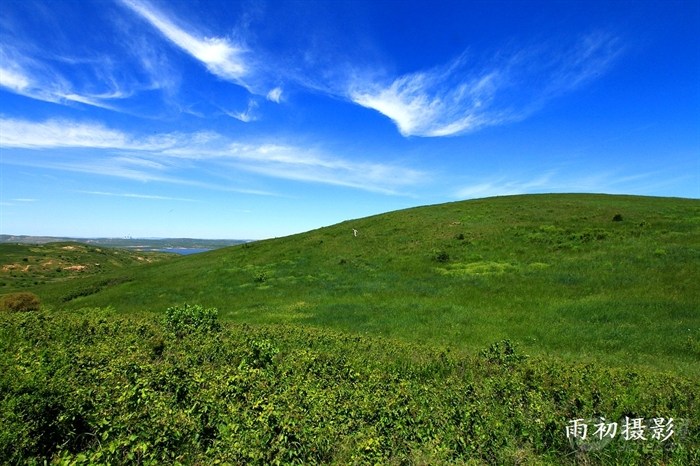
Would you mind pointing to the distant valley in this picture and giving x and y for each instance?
(175, 245)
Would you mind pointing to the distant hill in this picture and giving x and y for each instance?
(577, 276)
(141, 244)
(28, 265)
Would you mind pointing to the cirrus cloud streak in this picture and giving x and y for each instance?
(462, 96)
(160, 157)
(221, 57)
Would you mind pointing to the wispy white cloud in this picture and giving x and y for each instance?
(65, 133)
(13, 79)
(137, 196)
(247, 115)
(460, 96)
(610, 181)
(39, 80)
(586, 60)
(137, 75)
(295, 163)
(160, 157)
(221, 56)
(13, 202)
(292, 162)
(503, 186)
(18, 74)
(275, 95)
(55, 133)
(431, 104)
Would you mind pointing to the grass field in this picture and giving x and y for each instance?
(560, 275)
(600, 291)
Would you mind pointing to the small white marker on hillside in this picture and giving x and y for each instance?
(354, 232)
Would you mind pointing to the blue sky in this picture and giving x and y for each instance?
(256, 119)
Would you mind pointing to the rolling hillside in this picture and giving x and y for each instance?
(584, 277)
(477, 332)
(26, 265)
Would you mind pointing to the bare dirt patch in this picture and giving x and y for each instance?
(76, 268)
(11, 267)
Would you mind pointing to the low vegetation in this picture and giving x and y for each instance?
(473, 332)
(97, 387)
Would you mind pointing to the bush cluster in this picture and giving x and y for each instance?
(95, 387)
(20, 302)
(93, 288)
(191, 318)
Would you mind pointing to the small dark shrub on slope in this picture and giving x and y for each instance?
(441, 256)
(20, 302)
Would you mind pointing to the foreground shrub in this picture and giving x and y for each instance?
(20, 302)
(502, 353)
(191, 318)
(87, 387)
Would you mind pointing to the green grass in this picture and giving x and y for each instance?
(554, 273)
(337, 349)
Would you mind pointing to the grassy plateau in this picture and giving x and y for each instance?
(462, 333)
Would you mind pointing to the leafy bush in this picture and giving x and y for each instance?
(186, 319)
(84, 387)
(20, 302)
(502, 353)
(261, 353)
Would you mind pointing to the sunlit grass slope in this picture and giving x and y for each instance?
(612, 278)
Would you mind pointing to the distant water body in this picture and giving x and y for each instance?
(184, 251)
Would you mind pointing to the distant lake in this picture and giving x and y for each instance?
(184, 251)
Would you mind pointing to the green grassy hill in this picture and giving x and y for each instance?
(582, 277)
(467, 333)
(26, 265)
